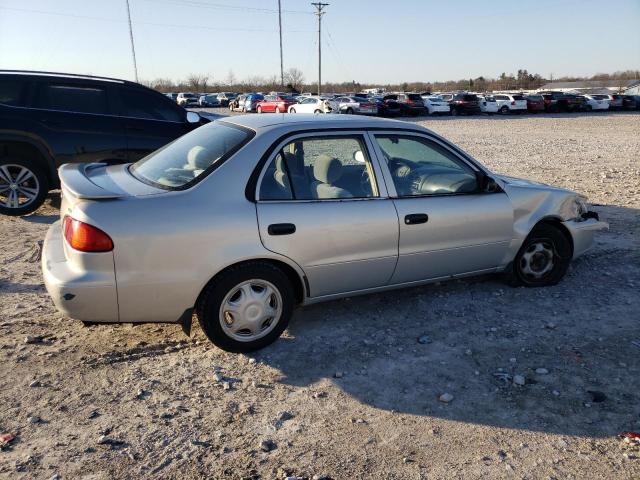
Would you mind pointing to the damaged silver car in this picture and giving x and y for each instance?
(243, 219)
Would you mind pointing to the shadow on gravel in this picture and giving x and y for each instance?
(576, 345)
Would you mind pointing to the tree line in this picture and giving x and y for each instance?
(294, 82)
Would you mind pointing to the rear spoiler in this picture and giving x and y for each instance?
(74, 178)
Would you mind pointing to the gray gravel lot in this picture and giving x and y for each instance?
(540, 381)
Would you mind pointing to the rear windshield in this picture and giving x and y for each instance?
(518, 97)
(194, 155)
(535, 98)
(470, 98)
(414, 96)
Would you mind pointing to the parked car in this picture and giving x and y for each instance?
(615, 101)
(510, 103)
(554, 101)
(630, 102)
(387, 108)
(535, 103)
(225, 97)
(47, 119)
(185, 99)
(275, 104)
(242, 268)
(488, 104)
(251, 101)
(576, 103)
(237, 103)
(353, 106)
(208, 100)
(436, 105)
(172, 96)
(411, 103)
(464, 103)
(311, 105)
(597, 102)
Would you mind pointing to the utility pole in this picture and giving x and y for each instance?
(320, 7)
(133, 48)
(280, 25)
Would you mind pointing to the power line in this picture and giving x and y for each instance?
(320, 12)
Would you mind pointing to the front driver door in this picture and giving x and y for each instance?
(447, 225)
(319, 204)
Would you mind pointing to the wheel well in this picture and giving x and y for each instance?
(557, 223)
(28, 151)
(292, 275)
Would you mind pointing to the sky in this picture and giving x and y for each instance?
(368, 41)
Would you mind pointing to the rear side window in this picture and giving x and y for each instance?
(518, 97)
(72, 98)
(141, 104)
(12, 92)
(192, 156)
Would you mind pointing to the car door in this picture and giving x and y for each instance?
(150, 120)
(321, 204)
(76, 119)
(448, 226)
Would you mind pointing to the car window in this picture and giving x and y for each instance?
(517, 97)
(320, 168)
(191, 156)
(419, 166)
(11, 91)
(141, 104)
(72, 98)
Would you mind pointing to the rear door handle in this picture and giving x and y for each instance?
(281, 229)
(416, 218)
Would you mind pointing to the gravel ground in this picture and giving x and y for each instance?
(540, 381)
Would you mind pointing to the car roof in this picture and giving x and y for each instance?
(63, 75)
(310, 120)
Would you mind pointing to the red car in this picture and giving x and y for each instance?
(275, 103)
(535, 103)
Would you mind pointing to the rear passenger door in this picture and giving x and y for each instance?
(77, 119)
(320, 202)
(150, 120)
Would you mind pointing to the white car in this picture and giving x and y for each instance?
(435, 104)
(311, 105)
(488, 104)
(511, 103)
(186, 99)
(353, 105)
(598, 102)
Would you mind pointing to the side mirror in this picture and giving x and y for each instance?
(486, 183)
(359, 156)
(193, 117)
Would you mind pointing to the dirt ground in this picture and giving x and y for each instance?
(349, 391)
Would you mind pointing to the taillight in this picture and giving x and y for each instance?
(84, 237)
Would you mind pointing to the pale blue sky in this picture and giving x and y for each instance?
(371, 41)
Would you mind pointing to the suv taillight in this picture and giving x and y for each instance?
(84, 237)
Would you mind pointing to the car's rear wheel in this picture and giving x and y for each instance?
(246, 307)
(277, 109)
(454, 112)
(292, 110)
(23, 186)
(317, 111)
(504, 110)
(259, 109)
(542, 260)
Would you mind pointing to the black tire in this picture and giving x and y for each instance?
(277, 109)
(317, 111)
(504, 110)
(40, 183)
(454, 112)
(349, 111)
(292, 110)
(556, 241)
(259, 109)
(208, 307)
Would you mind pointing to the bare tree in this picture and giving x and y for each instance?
(294, 77)
(198, 83)
(231, 79)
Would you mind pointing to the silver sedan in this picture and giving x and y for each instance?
(244, 218)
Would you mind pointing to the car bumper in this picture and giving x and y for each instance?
(582, 232)
(85, 288)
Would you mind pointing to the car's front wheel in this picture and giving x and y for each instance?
(292, 110)
(259, 109)
(504, 110)
(246, 307)
(543, 259)
(23, 186)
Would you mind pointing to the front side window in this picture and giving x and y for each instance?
(192, 156)
(320, 168)
(73, 98)
(420, 166)
(142, 104)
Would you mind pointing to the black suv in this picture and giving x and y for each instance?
(47, 119)
(466, 103)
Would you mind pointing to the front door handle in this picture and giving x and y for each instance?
(281, 229)
(416, 218)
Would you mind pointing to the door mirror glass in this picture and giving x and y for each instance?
(193, 117)
(359, 157)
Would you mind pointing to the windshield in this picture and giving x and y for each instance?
(435, 98)
(191, 156)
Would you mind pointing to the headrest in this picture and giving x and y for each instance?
(327, 169)
(199, 157)
(293, 164)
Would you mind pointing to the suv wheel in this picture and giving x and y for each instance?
(247, 307)
(23, 186)
(454, 112)
(504, 110)
(542, 260)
